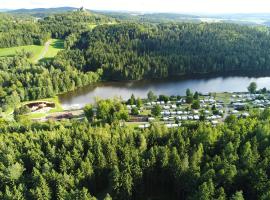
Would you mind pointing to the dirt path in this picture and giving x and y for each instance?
(226, 114)
(44, 51)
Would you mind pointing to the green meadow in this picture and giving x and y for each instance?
(39, 52)
(56, 45)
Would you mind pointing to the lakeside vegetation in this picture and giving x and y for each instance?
(21, 80)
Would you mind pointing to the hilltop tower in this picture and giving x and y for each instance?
(82, 9)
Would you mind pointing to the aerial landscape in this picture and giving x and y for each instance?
(134, 100)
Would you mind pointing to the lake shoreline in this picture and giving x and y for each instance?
(171, 86)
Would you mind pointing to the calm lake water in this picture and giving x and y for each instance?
(175, 86)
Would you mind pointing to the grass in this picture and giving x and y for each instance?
(58, 108)
(134, 124)
(12, 51)
(92, 26)
(55, 46)
(55, 100)
(146, 112)
(226, 97)
(36, 115)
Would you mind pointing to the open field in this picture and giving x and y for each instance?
(55, 46)
(49, 50)
(10, 52)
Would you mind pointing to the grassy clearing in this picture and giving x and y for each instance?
(226, 97)
(146, 112)
(56, 45)
(10, 52)
(134, 125)
(92, 26)
(36, 115)
(37, 51)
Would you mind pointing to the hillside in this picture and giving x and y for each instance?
(41, 12)
(20, 31)
(62, 25)
(135, 51)
(151, 17)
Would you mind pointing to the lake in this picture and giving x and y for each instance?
(174, 86)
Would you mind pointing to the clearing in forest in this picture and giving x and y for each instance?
(49, 50)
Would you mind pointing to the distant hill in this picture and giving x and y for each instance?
(4, 10)
(246, 19)
(150, 17)
(42, 12)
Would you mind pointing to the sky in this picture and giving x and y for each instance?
(177, 6)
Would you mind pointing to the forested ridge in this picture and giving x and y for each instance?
(15, 31)
(62, 25)
(25, 30)
(137, 51)
(72, 160)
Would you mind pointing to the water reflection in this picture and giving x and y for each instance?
(174, 86)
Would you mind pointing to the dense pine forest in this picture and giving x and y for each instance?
(18, 31)
(62, 25)
(72, 160)
(23, 30)
(134, 51)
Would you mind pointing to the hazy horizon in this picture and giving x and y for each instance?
(154, 6)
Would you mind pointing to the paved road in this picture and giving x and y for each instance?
(45, 50)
